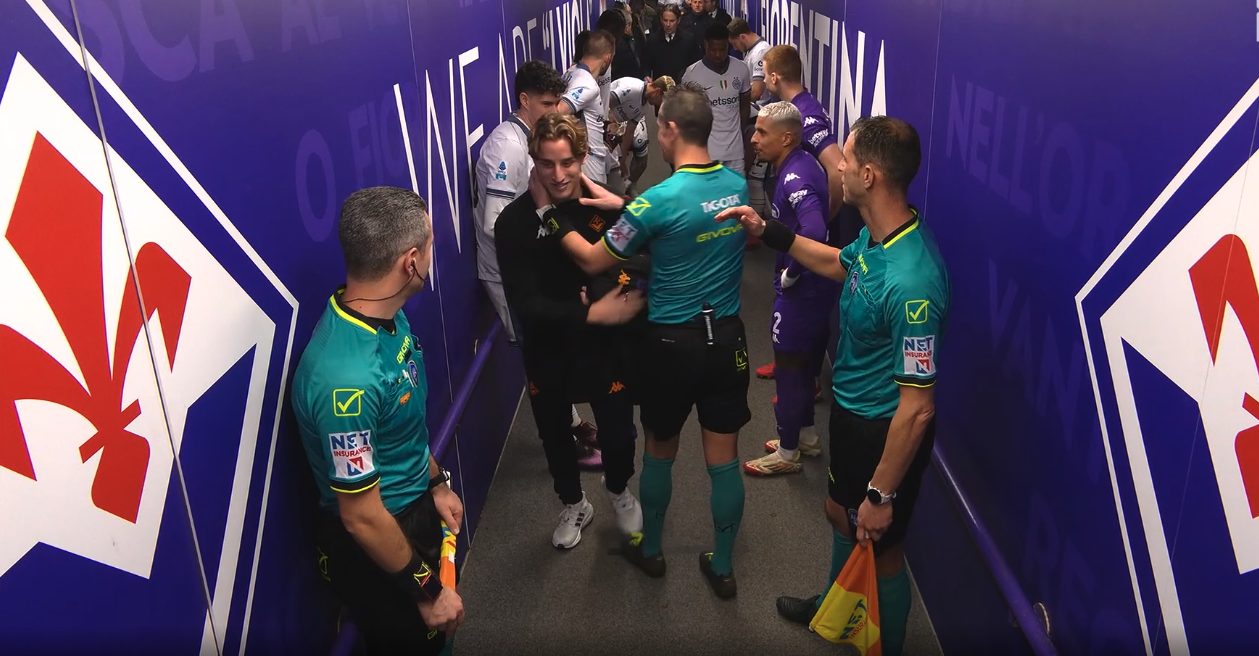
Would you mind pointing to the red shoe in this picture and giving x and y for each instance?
(765, 371)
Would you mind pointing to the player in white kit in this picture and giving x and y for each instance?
(728, 83)
(584, 98)
(626, 116)
(754, 48)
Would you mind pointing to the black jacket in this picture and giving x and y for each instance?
(630, 59)
(673, 57)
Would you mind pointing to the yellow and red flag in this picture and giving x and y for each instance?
(850, 612)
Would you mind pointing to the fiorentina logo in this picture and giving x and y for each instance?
(113, 339)
(1171, 321)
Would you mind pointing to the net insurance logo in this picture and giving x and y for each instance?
(106, 385)
(1171, 321)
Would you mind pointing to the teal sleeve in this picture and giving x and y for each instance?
(915, 315)
(344, 421)
(633, 230)
(848, 254)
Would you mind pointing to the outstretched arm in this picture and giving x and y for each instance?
(816, 256)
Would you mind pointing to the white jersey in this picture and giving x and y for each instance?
(502, 174)
(628, 96)
(725, 143)
(755, 59)
(588, 101)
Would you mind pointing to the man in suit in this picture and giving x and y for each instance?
(671, 50)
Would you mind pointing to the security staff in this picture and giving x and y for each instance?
(895, 304)
(695, 352)
(570, 350)
(359, 395)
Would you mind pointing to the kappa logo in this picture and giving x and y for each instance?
(86, 440)
(790, 177)
(617, 386)
(1172, 325)
(810, 120)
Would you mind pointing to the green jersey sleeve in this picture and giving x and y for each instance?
(635, 227)
(345, 418)
(848, 254)
(915, 316)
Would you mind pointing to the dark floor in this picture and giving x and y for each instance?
(524, 597)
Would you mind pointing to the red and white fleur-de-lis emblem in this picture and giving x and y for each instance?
(55, 229)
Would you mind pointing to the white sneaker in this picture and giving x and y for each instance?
(573, 518)
(629, 515)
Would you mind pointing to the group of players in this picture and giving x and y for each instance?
(570, 266)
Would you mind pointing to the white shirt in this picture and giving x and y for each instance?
(725, 143)
(755, 59)
(502, 174)
(589, 102)
(628, 95)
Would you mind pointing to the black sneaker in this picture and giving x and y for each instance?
(795, 609)
(723, 584)
(632, 550)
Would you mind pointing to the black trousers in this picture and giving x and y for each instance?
(614, 414)
(387, 617)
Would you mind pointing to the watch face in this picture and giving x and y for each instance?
(874, 496)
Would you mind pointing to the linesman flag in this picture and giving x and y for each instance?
(850, 612)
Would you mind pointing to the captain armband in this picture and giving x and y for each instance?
(418, 580)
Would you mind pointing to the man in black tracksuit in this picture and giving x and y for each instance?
(572, 332)
(672, 49)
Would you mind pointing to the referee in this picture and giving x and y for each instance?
(695, 352)
(359, 395)
(895, 303)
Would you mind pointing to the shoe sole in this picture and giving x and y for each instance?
(807, 454)
(584, 524)
(753, 471)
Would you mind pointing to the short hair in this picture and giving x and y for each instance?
(739, 27)
(784, 114)
(611, 20)
(553, 126)
(664, 83)
(687, 106)
(672, 8)
(538, 78)
(891, 144)
(597, 43)
(377, 225)
(785, 61)
(717, 32)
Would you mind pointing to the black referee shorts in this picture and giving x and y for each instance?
(856, 446)
(679, 370)
(387, 617)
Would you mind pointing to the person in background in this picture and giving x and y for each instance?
(753, 48)
(584, 97)
(629, 98)
(696, 20)
(727, 82)
(359, 396)
(671, 50)
(895, 307)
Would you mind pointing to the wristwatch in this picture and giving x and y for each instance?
(443, 477)
(877, 497)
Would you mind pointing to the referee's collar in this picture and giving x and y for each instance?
(901, 230)
(358, 318)
(699, 168)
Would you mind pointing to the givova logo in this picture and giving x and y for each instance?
(1172, 329)
(126, 343)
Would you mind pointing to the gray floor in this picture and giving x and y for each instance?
(523, 596)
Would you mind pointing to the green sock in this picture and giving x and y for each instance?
(655, 489)
(727, 507)
(841, 549)
(894, 601)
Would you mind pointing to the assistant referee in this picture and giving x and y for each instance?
(895, 302)
(695, 352)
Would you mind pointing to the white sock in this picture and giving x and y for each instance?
(786, 454)
(809, 437)
(576, 417)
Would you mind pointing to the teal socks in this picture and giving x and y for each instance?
(894, 601)
(841, 549)
(727, 507)
(655, 489)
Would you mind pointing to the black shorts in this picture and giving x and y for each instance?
(856, 447)
(680, 370)
(387, 617)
